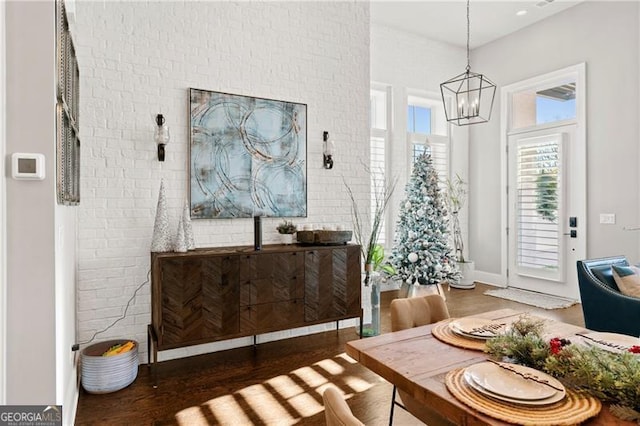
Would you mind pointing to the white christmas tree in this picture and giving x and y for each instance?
(422, 253)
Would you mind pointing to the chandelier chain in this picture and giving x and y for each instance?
(468, 25)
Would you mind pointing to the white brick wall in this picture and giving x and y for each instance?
(138, 59)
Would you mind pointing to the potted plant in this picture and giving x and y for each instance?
(286, 230)
(372, 252)
(457, 197)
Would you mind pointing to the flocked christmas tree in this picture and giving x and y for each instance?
(422, 253)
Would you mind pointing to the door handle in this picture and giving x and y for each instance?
(573, 233)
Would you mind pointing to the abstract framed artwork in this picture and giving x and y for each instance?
(248, 156)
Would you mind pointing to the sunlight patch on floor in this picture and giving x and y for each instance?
(357, 383)
(227, 410)
(310, 376)
(281, 400)
(191, 416)
(266, 406)
(330, 366)
(306, 405)
(347, 358)
(285, 386)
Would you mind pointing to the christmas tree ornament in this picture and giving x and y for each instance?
(413, 257)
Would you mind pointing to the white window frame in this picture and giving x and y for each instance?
(428, 100)
(385, 134)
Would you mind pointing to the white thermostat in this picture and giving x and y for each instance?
(27, 166)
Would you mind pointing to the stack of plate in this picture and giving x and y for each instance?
(104, 374)
(477, 328)
(514, 383)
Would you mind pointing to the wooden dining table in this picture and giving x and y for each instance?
(417, 363)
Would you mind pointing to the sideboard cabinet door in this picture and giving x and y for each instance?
(271, 291)
(332, 283)
(200, 299)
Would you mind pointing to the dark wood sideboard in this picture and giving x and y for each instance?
(212, 294)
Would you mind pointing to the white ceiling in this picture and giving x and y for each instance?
(447, 20)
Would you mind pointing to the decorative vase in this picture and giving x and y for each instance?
(370, 303)
(286, 238)
(467, 280)
(161, 241)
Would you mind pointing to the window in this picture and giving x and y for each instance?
(425, 116)
(439, 152)
(534, 107)
(427, 132)
(378, 106)
(419, 119)
(539, 201)
(379, 117)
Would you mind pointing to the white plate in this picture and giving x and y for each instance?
(479, 328)
(558, 396)
(511, 384)
(611, 342)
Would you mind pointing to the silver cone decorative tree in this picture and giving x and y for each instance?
(188, 229)
(161, 241)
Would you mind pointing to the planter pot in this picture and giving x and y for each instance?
(467, 281)
(417, 290)
(286, 238)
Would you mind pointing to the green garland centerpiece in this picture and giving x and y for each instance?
(608, 376)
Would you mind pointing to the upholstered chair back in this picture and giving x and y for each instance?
(336, 410)
(417, 311)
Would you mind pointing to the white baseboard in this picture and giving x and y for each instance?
(489, 278)
(70, 403)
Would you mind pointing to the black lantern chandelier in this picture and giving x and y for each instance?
(472, 94)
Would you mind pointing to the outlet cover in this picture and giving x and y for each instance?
(608, 218)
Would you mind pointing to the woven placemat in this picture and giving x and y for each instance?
(443, 332)
(573, 409)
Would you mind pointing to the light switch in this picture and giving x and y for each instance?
(608, 218)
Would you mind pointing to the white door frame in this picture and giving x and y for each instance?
(579, 72)
(3, 233)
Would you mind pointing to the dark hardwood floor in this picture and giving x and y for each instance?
(280, 383)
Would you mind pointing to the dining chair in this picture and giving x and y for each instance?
(336, 410)
(409, 313)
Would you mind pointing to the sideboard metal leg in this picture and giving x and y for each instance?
(149, 345)
(152, 346)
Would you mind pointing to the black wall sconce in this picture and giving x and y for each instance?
(328, 149)
(161, 136)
